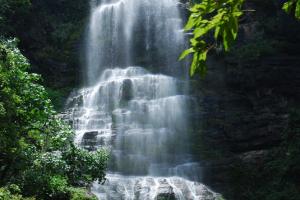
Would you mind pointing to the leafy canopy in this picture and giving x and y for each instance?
(219, 18)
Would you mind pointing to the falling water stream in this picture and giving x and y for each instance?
(138, 116)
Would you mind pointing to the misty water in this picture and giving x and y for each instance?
(135, 103)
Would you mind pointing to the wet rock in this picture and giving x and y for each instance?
(254, 157)
(165, 191)
(89, 140)
(75, 100)
(90, 135)
(169, 196)
(126, 90)
(141, 191)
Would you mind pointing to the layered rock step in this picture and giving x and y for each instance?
(140, 118)
(152, 188)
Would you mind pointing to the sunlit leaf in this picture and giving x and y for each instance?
(297, 10)
(186, 53)
(217, 32)
(194, 64)
(287, 6)
(217, 17)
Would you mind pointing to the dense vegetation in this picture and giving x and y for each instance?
(37, 156)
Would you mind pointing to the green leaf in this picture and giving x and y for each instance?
(220, 17)
(217, 32)
(202, 69)
(198, 8)
(191, 23)
(228, 38)
(297, 10)
(225, 41)
(287, 6)
(199, 63)
(194, 64)
(186, 53)
(237, 14)
(203, 56)
(233, 22)
(200, 31)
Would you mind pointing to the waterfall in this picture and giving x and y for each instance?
(132, 32)
(139, 114)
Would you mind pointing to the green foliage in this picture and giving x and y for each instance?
(80, 194)
(7, 193)
(85, 166)
(209, 16)
(220, 19)
(28, 111)
(292, 6)
(52, 173)
(36, 147)
(58, 97)
(58, 184)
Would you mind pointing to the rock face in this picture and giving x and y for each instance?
(126, 90)
(244, 115)
(89, 140)
(244, 112)
(165, 191)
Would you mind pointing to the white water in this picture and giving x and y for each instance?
(129, 32)
(140, 117)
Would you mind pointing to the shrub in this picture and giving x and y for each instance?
(36, 147)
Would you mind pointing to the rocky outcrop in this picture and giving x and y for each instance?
(126, 91)
(165, 191)
(89, 140)
(244, 114)
(245, 100)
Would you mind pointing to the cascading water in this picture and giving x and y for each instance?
(138, 116)
(127, 32)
